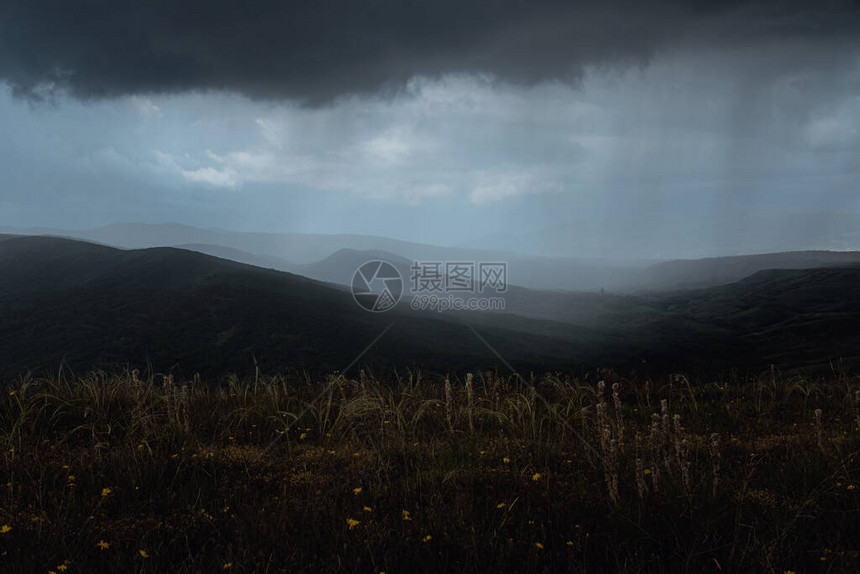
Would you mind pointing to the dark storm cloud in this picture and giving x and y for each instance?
(316, 51)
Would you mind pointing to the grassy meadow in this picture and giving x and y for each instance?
(473, 473)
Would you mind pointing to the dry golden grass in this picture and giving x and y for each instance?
(119, 473)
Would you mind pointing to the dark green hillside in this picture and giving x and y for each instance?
(87, 305)
(90, 305)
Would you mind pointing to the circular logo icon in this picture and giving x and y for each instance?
(377, 286)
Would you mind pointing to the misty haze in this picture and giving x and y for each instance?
(430, 287)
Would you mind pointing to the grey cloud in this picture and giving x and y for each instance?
(318, 51)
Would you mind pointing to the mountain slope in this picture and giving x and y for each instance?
(93, 305)
(285, 250)
(333, 258)
(781, 316)
(692, 273)
(96, 306)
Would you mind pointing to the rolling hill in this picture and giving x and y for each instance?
(334, 258)
(307, 253)
(93, 306)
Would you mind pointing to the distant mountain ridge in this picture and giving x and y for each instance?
(94, 306)
(297, 248)
(334, 258)
(285, 250)
(711, 271)
(694, 237)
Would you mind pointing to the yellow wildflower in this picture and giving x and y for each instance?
(405, 515)
(501, 505)
(427, 538)
(62, 567)
(356, 490)
(106, 491)
(352, 523)
(538, 545)
(368, 509)
(5, 528)
(647, 471)
(143, 553)
(103, 545)
(227, 566)
(536, 476)
(506, 460)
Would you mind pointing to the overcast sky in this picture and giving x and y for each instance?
(600, 128)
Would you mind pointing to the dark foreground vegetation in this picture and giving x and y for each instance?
(121, 473)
